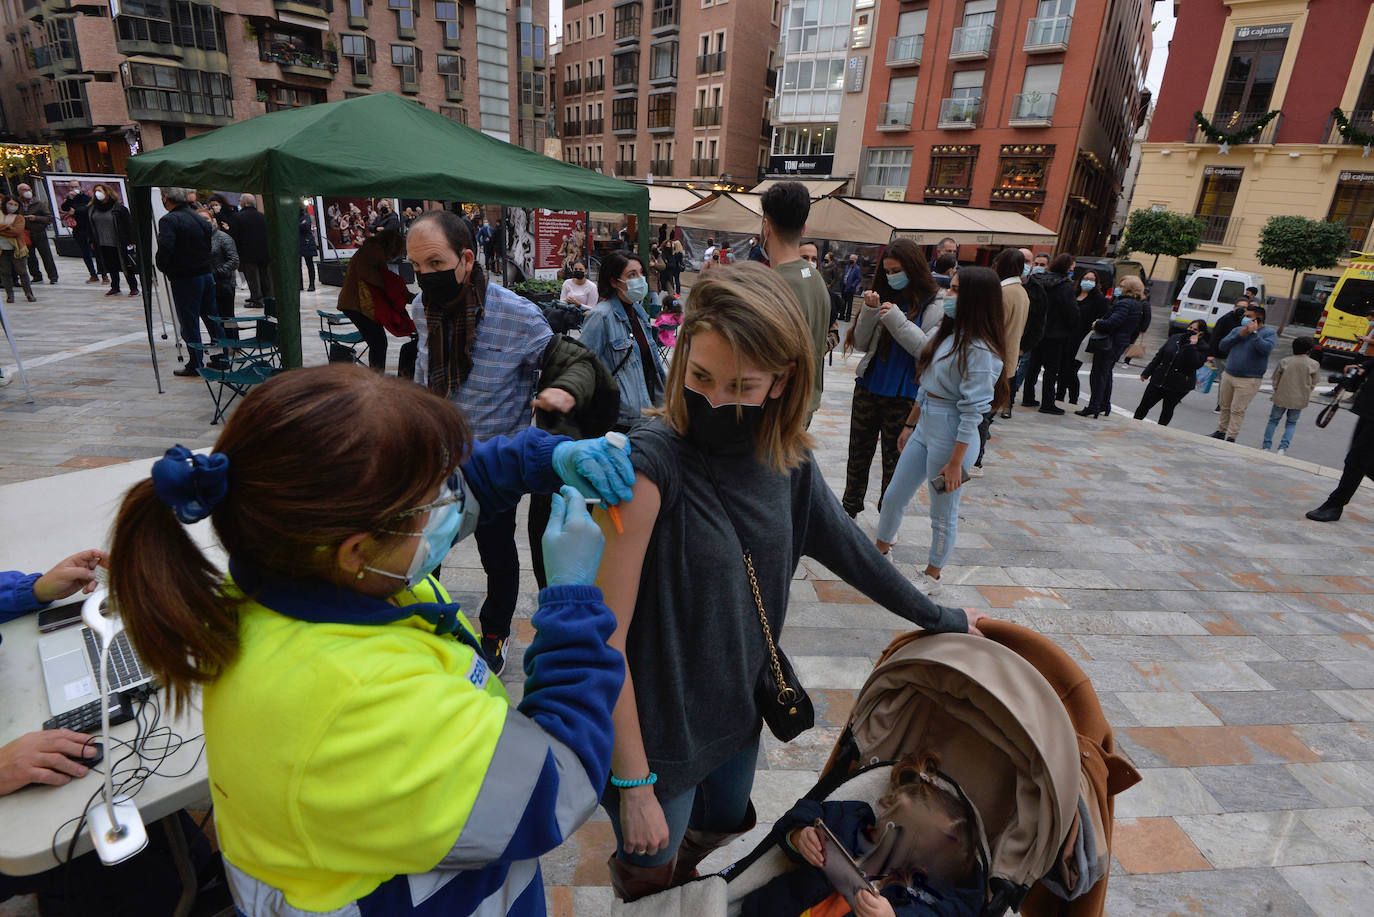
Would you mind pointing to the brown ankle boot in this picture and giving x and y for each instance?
(631, 882)
(698, 845)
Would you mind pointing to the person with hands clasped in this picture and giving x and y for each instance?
(960, 372)
(362, 756)
(727, 496)
(1246, 348)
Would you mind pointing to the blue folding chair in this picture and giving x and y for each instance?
(340, 344)
(232, 366)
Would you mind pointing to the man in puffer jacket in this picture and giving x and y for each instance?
(1061, 321)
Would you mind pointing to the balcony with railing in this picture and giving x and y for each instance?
(319, 63)
(627, 27)
(710, 63)
(1219, 231)
(54, 59)
(1236, 121)
(905, 50)
(572, 128)
(706, 117)
(1362, 121)
(661, 166)
(593, 126)
(662, 117)
(67, 114)
(594, 83)
(894, 116)
(625, 123)
(626, 77)
(314, 8)
(624, 167)
(1033, 109)
(1048, 33)
(571, 88)
(665, 18)
(594, 164)
(770, 80)
(970, 42)
(705, 168)
(959, 114)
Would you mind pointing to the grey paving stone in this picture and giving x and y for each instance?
(1252, 708)
(1301, 675)
(1337, 784)
(1167, 708)
(1338, 741)
(1165, 791)
(1245, 840)
(1353, 705)
(1254, 788)
(1215, 893)
(1354, 674)
(1333, 889)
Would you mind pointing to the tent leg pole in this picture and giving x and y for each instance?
(23, 376)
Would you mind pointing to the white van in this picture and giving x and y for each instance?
(1212, 292)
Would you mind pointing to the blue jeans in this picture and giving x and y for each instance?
(1021, 363)
(1275, 414)
(719, 804)
(926, 453)
(194, 299)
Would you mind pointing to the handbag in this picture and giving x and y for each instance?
(1206, 375)
(1136, 351)
(1099, 342)
(781, 699)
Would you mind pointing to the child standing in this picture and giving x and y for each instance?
(1294, 379)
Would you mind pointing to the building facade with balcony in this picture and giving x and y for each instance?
(1024, 105)
(674, 89)
(101, 81)
(1267, 76)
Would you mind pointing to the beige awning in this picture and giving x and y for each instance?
(667, 201)
(816, 187)
(853, 219)
(1010, 227)
(724, 211)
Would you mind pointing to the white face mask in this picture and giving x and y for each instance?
(27, 195)
(100, 195)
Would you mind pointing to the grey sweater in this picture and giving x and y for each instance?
(695, 646)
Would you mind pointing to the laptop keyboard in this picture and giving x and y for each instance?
(124, 669)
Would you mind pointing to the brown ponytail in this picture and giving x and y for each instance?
(315, 456)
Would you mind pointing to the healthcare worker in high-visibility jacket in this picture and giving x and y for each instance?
(363, 760)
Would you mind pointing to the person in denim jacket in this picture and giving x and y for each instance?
(617, 331)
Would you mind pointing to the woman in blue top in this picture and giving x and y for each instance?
(618, 331)
(960, 373)
(890, 329)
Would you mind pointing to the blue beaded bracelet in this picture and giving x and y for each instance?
(626, 784)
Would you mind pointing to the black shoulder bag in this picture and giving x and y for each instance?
(781, 699)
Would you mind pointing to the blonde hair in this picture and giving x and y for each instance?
(1131, 286)
(759, 316)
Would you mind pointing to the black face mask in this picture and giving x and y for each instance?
(724, 430)
(579, 275)
(440, 287)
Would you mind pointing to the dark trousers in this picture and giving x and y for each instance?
(87, 253)
(259, 277)
(1359, 463)
(1068, 373)
(1100, 378)
(848, 306)
(375, 335)
(310, 267)
(984, 434)
(1155, 394)
(1048, 355)
(501, 561)
(194, 301)
(14, 268)
(541, 507)
(39, 246)
(224, 306)
(871, 418)
(112, 259)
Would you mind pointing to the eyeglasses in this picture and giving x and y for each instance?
(450, 492)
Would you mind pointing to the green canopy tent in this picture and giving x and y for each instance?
(379, 145)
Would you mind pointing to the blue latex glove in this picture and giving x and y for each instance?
(596, 468)
(572, 541)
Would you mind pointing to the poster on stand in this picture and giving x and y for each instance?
(560, 240)
(344, 223)
(57, 184)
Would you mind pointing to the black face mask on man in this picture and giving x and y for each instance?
(440, 286)
(727, 429)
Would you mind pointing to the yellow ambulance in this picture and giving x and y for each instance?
(1348, 319)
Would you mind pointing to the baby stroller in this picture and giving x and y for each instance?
(1015, 721)
(665, 325)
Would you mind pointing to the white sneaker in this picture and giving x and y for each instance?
(927, 584)
(976, 471)
(5, 380)
(1282, 451)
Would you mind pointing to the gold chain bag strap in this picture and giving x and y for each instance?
(781, 699)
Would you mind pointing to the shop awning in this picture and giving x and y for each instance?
(725, 211)
(855, 219)
(667, 201)
(817, 187)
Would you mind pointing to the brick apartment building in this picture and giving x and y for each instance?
(99, 80)
(1269, 75)
(1024, 105)
(669, 88)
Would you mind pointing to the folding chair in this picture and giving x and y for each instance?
(232, 366)
(340, 345)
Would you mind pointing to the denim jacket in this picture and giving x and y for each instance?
(606, 333)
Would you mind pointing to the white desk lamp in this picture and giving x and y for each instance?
(117, 830)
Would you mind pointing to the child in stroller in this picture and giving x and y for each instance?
(924, 843)
(666, 323)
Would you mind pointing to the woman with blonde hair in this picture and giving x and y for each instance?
(727, 498)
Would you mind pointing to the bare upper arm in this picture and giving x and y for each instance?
(622, 561)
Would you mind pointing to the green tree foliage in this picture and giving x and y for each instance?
(1298, 244)
(1159, 232)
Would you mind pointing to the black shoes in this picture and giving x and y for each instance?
(1218, 435)
(1327, 512)
(1051, 409)
(186, 372)
(1029, 403)
(494, 648)
(1086, 412)
(1006, 413)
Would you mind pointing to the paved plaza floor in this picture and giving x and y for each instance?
(1230, 640)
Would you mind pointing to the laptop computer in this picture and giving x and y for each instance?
(70, 659)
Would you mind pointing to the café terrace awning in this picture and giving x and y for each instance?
(667, 201)
(725, 211)
(816, 187)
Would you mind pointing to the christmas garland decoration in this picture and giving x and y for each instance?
(1212, 133)
(1351, 135)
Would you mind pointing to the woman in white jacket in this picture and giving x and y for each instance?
(897, 317)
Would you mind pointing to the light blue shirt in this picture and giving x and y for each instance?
(971, 390)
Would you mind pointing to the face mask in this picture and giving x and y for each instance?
(951, 304)
(579, 275)
(1025, 271)
(1116, 291)
(27, 195)
(897, 281)
(636, 288)
(1038, 269)
(12, 208)
(1086, 285)
(215, 208)
(726, 428)
(1245, 321)
(440, 286)
(100, 195)
(435, 539)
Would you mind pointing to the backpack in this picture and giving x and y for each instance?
(600, 413)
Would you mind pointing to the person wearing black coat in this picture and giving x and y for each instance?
(1092, 305)
(1119, 326)
(112, 229)
(1061, 323)
(308, 247)
(1172, 373)
(254, 256)
(1145, 316)
(1359, 459)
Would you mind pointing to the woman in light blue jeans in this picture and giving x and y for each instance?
(961, 379)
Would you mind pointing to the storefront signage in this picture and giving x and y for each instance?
(854, 74)
(1357, 176)
(1261, 32)
(800, 165)
(1223, 171)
